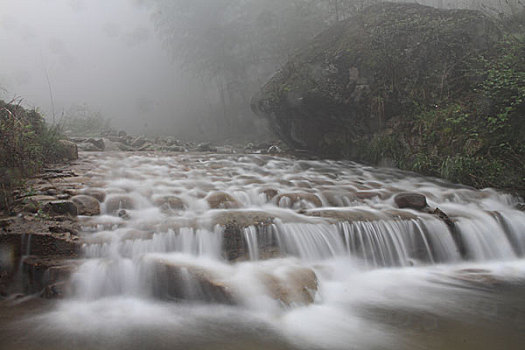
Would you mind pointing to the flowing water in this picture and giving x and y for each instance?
(198, 251)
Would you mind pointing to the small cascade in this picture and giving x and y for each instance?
(194, 226)
(250, 235)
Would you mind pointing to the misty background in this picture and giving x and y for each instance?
(186, 68)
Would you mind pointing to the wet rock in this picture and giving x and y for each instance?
(67, 208)
(86, 205)
(167, 203)
(298, 199)
(411, 200)
(98, 143)
(123, 214)
(270, 193)
(453, 231)
(520, 206)
(100, 195)
(173, 281)
(478, 276)
(69, 150)
(48, 275)
(122, 133)
(117, 202)
(222, 200)
(274, 150)
(297, 286)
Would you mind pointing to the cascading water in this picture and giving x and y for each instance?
(250, 251)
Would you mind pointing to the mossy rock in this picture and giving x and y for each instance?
(362, 75)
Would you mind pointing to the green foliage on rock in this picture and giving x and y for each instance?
(26, 144)
(435, 91)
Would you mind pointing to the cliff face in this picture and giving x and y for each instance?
(372, 87)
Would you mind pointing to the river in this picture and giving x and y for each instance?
(200, 251)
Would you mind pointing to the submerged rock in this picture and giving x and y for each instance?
(173, 281)
(117, 202)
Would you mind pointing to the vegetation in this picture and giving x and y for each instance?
(437, 92)
(475, 138)
(26, 144)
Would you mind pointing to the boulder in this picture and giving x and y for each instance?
(411, 201)
(222, 200)
(86, 205)
(122, 133)
(61, 207)
(100, 195)
(69, 150)
(363, 75)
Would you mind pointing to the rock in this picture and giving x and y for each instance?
(296, 200)
(274, 150)
(61, 207)
(222, 200)
(117, 202)
(411, 200)
(69, 150)
(176, 149)
(123, 214)
(168, 203)
(456, 235)
(86, 205)
(172, 281)
(98, 143)
(206, 147)
(87, 147)
(33, 203)
(138, 142)
(520, 206)
(297, 287)
(327, 99)
(270, 193)
(100, 195)
(122, 133)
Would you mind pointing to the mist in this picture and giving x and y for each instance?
(104, 54)
(181, 68)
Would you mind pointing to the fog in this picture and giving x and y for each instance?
(101, 53)
(184, 68)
